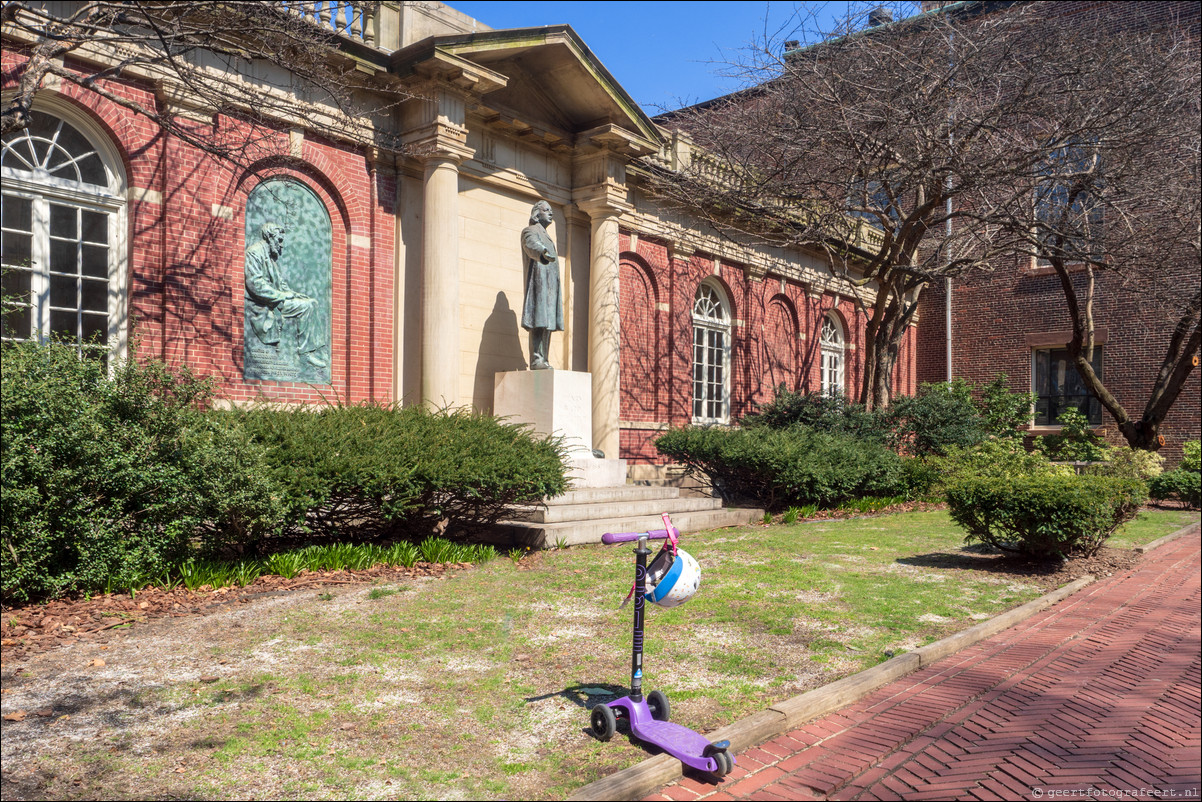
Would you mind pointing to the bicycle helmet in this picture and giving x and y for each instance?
(672, 579)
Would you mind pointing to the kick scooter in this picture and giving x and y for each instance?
(648, 715)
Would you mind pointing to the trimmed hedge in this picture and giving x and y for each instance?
(370, 471)
(1044, 515)
(112, 481)
(1184, 483)
(786, 467)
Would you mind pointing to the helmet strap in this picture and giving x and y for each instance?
(671, 532)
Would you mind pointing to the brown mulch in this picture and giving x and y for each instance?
(1045, 574)
(39, 627)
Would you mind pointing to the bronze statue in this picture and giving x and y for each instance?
(542, 312)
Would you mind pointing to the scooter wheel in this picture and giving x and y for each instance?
(725, 764)
(658, 702)
(604, 723)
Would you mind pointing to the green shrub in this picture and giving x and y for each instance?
(1002, 411)
(364, 472)
(1076, 441)
(1191, 456)
(1180, 484)
(1133, 463)
(829, 413)
(787, 467)
(1044, 515)
(998, 458)
(939, 417)
(111, 481)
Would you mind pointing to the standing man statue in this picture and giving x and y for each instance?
(270, 301)
(543, 309)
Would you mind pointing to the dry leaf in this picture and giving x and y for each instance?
(18, 716)
(44, 713)
(97, 663)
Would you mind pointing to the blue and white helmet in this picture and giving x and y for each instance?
(672, 579)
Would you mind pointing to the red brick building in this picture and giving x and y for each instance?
(113, 228)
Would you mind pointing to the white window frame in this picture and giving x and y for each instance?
(42, 189)
(832, 355)
(711, 322)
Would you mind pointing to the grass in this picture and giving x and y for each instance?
(478, 685)
(213, 574)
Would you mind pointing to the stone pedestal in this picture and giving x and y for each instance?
(559, 402)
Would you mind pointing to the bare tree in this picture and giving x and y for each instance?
(267, 64)
(885, 150)
(1114, 194)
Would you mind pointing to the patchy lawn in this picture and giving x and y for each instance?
(476, 683)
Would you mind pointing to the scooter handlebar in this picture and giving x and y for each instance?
(610, 538)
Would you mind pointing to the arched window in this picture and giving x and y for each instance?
(62, 235)
(831, 347)
(711, 356)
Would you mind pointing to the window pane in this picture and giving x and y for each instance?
(63, 291)
(19, 156)
(18, 213)
(95, 328)
(42, 124)
(15, 285)
(94, 296)
(96, 227)
(63, 257)
(64, 324)
(16, 322)
(96, 261)
(72, 141)
(16, 249)
(91, 171)
(63, 221)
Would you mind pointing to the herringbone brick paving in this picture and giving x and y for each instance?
(1100, 691)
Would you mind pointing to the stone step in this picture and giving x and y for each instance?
(575, 533)
(619, 508)
(604, 495)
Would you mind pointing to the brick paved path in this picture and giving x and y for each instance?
(1100, 691)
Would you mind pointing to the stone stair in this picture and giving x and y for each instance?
(582, 516)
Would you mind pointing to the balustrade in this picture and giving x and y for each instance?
(353, 20)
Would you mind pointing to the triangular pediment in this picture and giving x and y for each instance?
(555, 83)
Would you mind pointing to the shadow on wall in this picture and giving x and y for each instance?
(500, 350)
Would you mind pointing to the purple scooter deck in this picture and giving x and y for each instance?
(678, 741)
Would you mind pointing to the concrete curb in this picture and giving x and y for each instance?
(643, 778)
(1182, 532)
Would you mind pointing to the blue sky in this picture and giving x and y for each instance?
(665, 54)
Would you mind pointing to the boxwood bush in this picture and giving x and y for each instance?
(788, 467)
(1044, 515)
(109, 481)
(1184, 482)
(384, 470)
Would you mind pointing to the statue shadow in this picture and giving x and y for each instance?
(500, 350)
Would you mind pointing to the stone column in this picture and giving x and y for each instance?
(440, 281)
(603, 327)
